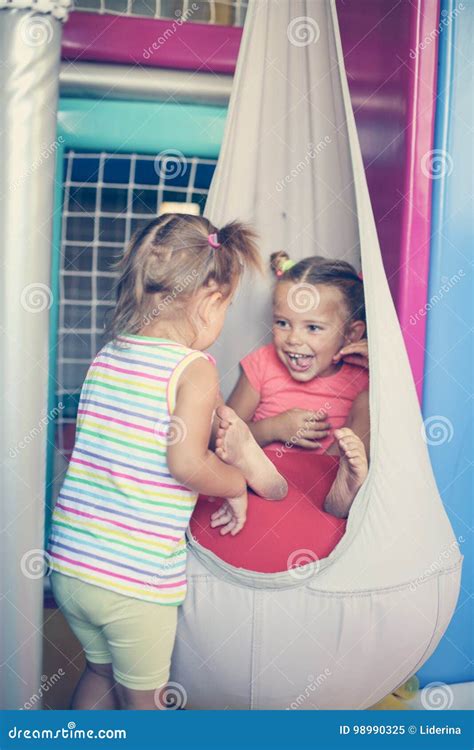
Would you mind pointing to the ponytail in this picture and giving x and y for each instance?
(170, 259)
(237, 249)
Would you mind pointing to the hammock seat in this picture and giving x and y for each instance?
(351, 627)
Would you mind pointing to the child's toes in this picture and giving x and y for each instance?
(225, 414)
(351, 446)
(220, 451)
(343, 433)
(352, 442)
(352, 453)
(347, 445)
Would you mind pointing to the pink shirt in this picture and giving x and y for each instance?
(279, 392)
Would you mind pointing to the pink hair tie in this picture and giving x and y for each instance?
(213, 241)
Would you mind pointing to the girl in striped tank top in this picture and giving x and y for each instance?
(117, 549)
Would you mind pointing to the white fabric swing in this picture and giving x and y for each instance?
(376, 608)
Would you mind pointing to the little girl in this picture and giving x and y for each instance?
(117, 549)
(309, 388)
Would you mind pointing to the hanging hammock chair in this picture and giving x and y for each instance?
(352, 627)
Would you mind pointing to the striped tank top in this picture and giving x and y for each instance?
(120, 517)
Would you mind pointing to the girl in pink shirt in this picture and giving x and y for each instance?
(308, 389)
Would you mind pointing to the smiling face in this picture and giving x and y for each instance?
(310, 325)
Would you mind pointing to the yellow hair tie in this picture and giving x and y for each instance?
(285, 266)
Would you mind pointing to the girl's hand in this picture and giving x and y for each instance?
(354, 354)
(232, 515)
(301, 427)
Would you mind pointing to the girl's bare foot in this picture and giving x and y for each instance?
(351, 475)
(236, 445)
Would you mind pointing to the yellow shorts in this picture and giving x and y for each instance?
(135, 636)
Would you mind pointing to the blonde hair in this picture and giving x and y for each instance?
(172, 258)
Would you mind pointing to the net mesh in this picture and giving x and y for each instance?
(226, 12)
(106, 198)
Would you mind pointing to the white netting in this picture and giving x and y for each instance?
(57, 8)
(106, 198)
(226, 12)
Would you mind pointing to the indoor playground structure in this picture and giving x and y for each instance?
(339, 128)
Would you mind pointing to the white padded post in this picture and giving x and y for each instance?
(30, 36)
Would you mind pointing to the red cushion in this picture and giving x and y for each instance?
(274, 530)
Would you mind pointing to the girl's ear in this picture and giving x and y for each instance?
(208, 305)
(355, 331)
